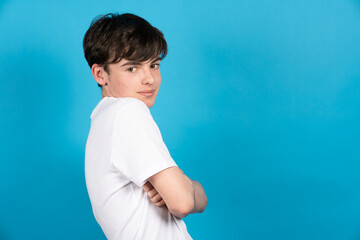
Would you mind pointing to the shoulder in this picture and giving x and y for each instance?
(130, 110)
(124, 106)
(136, 105)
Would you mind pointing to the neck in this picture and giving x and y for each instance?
(105, 92)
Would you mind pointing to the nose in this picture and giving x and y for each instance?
(148, 77)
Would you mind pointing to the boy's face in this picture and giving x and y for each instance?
(140, 80)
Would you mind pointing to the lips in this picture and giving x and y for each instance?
(148, 93)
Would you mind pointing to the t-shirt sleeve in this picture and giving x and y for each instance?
(138, 150)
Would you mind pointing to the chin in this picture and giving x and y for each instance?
(149, 103)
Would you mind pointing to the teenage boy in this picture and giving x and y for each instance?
(136, 189)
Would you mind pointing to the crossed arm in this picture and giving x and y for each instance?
(180, 194)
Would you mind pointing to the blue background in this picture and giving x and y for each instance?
(260, 102)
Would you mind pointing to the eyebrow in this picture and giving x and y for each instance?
(131, 63)
(134, 63)
(156, 59)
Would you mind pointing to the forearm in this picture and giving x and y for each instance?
(200, 199)
(189, 196)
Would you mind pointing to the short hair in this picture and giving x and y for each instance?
(113, 37)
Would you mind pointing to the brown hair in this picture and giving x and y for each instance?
(113, 37)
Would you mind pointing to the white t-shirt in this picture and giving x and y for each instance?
(124, 148)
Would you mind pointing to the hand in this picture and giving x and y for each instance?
(153, 195)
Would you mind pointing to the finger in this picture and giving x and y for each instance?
(152, 193)
(147, 186)
(159, 204)
(156, 198)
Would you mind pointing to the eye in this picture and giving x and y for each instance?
(131, 69)
(155, 66)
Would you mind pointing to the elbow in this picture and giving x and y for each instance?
(204, 206)
(183, 209)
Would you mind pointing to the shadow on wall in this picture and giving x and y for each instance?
(38, 179)
(35, 102)
(2, 5)
(357, 3)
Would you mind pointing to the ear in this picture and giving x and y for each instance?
(99, 74)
